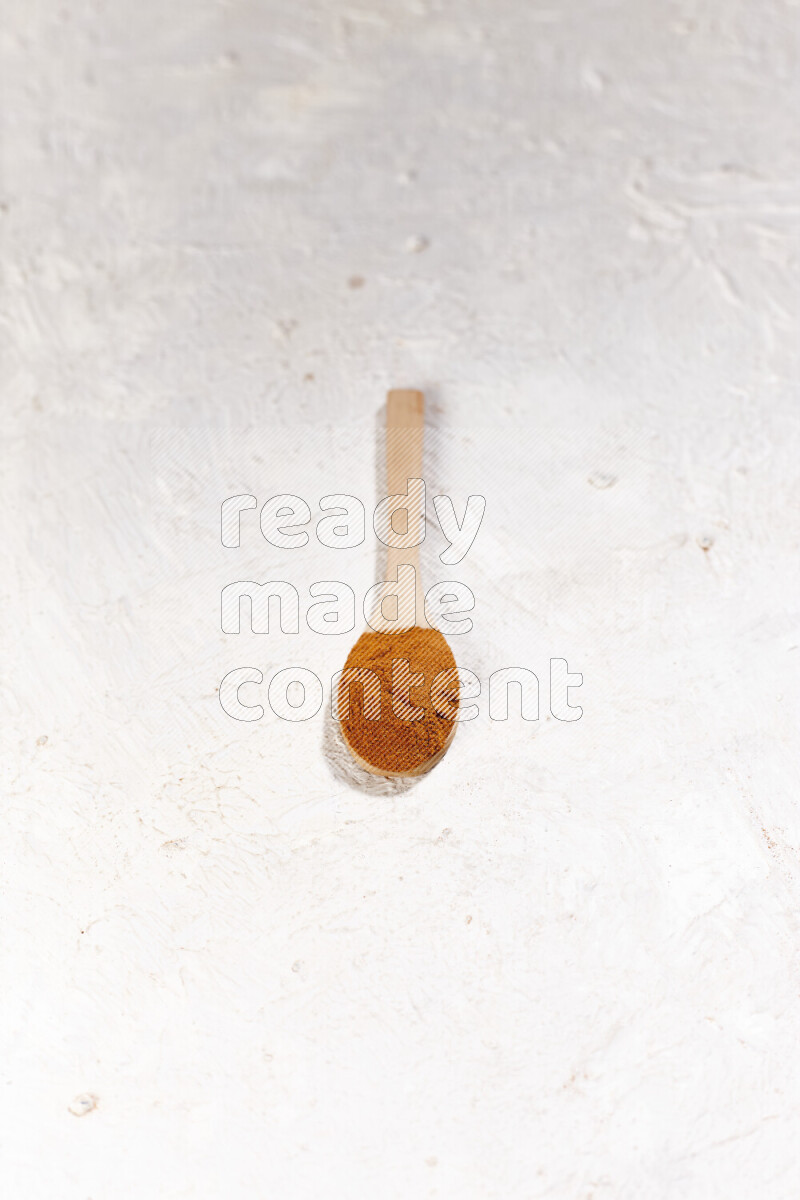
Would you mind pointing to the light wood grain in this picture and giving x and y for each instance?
(405, 421)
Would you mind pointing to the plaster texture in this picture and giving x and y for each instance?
(565, 964)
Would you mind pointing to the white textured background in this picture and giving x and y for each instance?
(567, 963)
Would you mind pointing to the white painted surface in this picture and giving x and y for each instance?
(566, 963)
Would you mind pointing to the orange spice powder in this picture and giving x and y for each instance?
(394, 743)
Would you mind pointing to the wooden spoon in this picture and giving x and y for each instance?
(405, 421)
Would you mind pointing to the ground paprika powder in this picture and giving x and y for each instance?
(394, 743)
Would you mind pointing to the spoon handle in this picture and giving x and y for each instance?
(405, 421)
